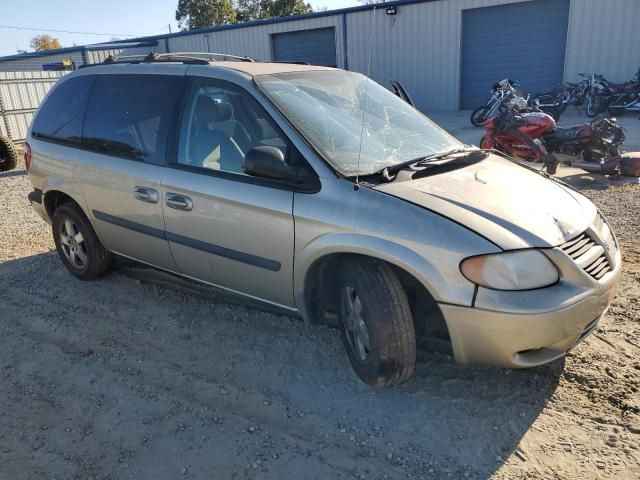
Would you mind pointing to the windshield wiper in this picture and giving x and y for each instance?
(390, 170)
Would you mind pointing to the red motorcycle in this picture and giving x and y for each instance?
(535, 137)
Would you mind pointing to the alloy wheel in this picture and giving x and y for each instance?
(355, 326)
(73, 244)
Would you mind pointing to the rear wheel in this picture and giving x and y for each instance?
(8, 155)
(479, 115)
(78, 245)
(377, 325)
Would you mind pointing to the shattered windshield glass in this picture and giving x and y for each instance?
(328, 108)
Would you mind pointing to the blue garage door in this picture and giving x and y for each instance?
(317, 47)
(524, 41)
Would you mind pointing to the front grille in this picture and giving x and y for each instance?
(587, 253)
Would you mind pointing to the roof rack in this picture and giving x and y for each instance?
(193, 58)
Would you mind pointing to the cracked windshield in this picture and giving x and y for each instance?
(357, 125)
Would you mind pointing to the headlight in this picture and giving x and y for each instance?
(518, 270)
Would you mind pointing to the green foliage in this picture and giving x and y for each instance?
(192, 14)
(261, 9)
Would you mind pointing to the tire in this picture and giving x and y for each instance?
(85, 258)
(371, 299)
(8, 155)
(486, 142)
(551, 164)
(478, 116)
(595, 105)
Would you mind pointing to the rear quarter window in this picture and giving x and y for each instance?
(60, 117)
(130, 115)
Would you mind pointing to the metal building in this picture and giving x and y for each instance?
(446, 52)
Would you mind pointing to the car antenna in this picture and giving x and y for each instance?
(356, 187)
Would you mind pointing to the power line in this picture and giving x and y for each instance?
(68, 31)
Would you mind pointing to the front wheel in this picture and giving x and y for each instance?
(78, 245)
(595, 105)
(486, 143)
(377, 325)
(479, 116)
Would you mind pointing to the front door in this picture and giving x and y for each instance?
(223, 226)
(125, 131)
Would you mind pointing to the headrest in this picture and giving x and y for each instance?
(224, 111)
(205, 111)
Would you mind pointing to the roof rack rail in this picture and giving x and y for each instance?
(193, 58)
(292, 62)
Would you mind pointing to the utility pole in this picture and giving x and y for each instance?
(169, 25)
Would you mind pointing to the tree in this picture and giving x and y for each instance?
(192, 14)
(260, 9)
(44, 42)
(283, 8)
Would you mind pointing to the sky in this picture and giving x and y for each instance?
(113, 18)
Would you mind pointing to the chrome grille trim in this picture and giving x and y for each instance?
(590, 256)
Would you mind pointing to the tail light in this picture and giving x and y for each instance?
(27, 156)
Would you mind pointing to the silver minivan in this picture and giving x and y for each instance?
(319, 191)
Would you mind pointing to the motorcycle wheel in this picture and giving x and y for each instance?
(595, 105)
(479, 116)
(486, 143)
(551, 164)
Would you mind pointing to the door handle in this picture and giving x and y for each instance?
(179, 202)
(145, 194)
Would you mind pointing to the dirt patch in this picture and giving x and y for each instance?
(143, 376)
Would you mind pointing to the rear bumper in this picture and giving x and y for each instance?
(522, 339)
(35, 199)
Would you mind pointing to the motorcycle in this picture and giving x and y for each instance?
(500, 92)
(596, 101)
(624, 97)
(556, 101)
(535, 137)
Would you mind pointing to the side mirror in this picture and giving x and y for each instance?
(268, 162)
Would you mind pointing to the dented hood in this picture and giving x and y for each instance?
(506, 203)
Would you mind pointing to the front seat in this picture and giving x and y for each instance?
(212, 147)
(226, 122)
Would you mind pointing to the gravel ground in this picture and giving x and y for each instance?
(141, 375)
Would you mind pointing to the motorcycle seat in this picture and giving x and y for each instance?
(627, 87)
(567, 133)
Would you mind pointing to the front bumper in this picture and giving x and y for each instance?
(529, 331)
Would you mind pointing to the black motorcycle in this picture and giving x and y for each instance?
(500, 92)
(618, 97)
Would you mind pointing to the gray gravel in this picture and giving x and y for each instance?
(141, 375)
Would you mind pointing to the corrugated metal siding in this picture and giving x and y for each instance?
(420, 47)
(603, 37)
(98, 56)
(21, 94)
(35, 63)
(255, 42)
